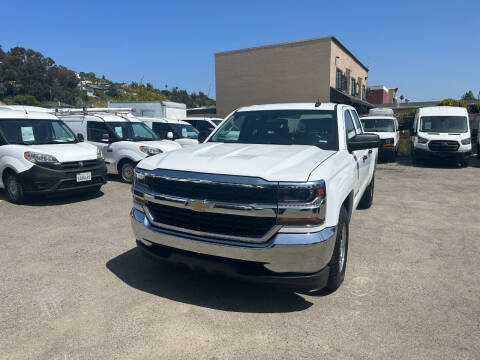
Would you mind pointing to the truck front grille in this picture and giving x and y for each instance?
(443, 145)
(211, 223)
(220, 192)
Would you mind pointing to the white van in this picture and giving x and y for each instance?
(203, 124)
(171, 129)
(442, 132)
(123, 140)
(386, 127)
(39, 154)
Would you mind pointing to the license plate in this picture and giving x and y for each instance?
(86, 176)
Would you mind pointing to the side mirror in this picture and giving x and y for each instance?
(202, 136)
(80, 137)
(363, 142)
(105, 138)
(169, 135)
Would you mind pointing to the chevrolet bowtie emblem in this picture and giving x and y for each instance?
(197, 205)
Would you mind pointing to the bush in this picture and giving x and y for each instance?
(25, 100)
(452, 102)
(474, 108)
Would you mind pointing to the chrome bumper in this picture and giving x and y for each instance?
(284, 253)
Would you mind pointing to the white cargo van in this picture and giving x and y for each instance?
(386, 127)
(442, 132)
(39, 155)
(205, 125)
(123, 140)
(170, 129)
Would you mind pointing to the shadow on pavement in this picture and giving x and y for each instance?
(3, 196)
(62, 199)
(432, 164)
(196, 288)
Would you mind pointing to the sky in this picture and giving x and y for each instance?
(429, 50)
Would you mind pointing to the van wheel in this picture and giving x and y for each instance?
(126, 171)
(338, 262)
(367, 197)
(464, 163)
(14, 188)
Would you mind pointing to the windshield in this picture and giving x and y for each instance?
(281, 127)
(378, 125)
(217, 122)
(132, 131)
(36, 132)
(184, 131)
(443, 124)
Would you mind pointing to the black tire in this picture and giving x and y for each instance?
(338, 262)
(394, 156)
(126, 171)
(464, 163)
(367, 197)
(14, 188)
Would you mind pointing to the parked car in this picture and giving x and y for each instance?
(205, 125)
(268, 197)
(170, 129)
(40, 155)
(123, 140)
(386, 127)
(442, 132)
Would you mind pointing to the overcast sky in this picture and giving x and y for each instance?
(428, 49)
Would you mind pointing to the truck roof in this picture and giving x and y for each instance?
(443, 110)
(8, 113)
(378, 117)
(289, 106)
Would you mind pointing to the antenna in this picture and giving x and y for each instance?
(318, 103)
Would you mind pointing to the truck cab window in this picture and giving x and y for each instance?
(96, 130)
(161, 129)
(349, 127)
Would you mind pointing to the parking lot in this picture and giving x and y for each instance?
(74, 286)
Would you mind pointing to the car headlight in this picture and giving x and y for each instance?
(138, 176)
(149, 150)
(466, 141)
(302, 204)
(389, 142)
(35, 157)
(422, 140)
(99, 154)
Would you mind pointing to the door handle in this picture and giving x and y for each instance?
(365, 157)
(370, 151)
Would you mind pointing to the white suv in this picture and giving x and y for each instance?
(386, 127)
(170, 129)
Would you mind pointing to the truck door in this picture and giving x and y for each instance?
(365, 156)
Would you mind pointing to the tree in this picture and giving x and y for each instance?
(468, 95)
(401, 98)
(25, 100)
(452, 102)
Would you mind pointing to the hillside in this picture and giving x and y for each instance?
(29, 78)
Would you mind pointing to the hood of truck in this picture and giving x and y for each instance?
(269, 162)
(66, 152)
(186, 142)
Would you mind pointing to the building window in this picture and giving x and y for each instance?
(340, 81)
(353, 90)
(364, 92)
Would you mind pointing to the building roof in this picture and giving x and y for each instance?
(296, 43)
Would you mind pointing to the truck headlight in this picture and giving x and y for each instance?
(150, 151)
(302, 204)
(36, 158)
(422, 140)
(138, 177)
(466, 141)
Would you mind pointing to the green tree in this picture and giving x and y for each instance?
(25, 100)
(452, 102)
(468, 95)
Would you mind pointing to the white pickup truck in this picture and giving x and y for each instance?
(267, 197)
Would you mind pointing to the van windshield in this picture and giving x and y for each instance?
(36, 132)
(281, 127)
(378, 125)
(443, 124)
(184, 131)
(132, 131)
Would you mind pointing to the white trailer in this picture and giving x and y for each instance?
(157, 109)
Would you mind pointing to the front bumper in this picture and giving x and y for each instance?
(42, 180)
(444, 155)
(298, 261)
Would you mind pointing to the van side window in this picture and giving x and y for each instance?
(161, 129)
(96, 130)
(357, 121)
(349, 127)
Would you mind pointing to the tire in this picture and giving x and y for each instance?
(464, 163)
(338, 262)
(393, 158)
(14, 188)
(126, 171)
(367, 197)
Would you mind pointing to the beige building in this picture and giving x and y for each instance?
(300, 71)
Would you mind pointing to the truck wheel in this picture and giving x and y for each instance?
(14, 188)
(367, 197)
(338, 263)
(464, 163)
(126, 171)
